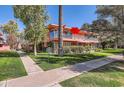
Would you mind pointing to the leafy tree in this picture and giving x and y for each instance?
(11, 29)
(86, 26)
(106, 33)
(34, 18)
(115, 13)
(103, 29)
(101, 25)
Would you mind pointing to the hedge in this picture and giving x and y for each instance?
(77, 49)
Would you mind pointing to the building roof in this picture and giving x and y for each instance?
(68, 29)
(54, 26)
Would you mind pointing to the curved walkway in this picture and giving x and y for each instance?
(52, 78)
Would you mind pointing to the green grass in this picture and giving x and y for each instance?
(113, 51)
(47, 62)
(111, 75)
(11, 66)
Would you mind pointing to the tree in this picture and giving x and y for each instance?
(107, 33)
(11, 29)
(115, 13)
(112, 11)
(103, 29)
(86, 26)
(34, 18)
(101, 25)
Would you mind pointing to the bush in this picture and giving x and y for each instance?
(66, 50)
(98, 50)
(76, 49)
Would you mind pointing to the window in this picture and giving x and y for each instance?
(67, 43)
(56, 34)
(51, 34)
(67, 35)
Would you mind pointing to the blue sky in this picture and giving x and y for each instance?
(73, 15)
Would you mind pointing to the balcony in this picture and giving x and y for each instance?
(70, 37)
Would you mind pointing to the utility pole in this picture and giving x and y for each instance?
(60, 33)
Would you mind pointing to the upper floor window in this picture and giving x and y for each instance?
(56, 34)
(67, 35)
(51, 34)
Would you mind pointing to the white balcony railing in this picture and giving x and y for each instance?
(74, 37)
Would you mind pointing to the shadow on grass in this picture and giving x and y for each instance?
(51, 61)
(116, 66)
(66, 59)
(112, 67)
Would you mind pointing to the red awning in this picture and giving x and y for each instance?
(75, 30)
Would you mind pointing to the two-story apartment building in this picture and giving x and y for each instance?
(81, 38)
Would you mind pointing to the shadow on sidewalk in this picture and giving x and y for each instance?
(113, 64)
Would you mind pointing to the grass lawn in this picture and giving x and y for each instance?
(111, 75)
(113, 51)
(11, 66)
(47, 62)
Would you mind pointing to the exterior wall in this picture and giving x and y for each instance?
(5, 48)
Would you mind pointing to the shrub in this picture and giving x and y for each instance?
(76, 49)
(98, 50)
(67, 50)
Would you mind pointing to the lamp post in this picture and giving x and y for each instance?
(60, 33)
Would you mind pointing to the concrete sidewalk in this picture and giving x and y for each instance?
(52, 78)
(29, 64)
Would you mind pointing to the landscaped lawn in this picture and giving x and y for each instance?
(48, 62)
(112, 51)
(111, 75)
(11, 66)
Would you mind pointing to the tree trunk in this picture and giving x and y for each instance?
(103, 44)
(116, 45)
(35, 48)
(60, 33)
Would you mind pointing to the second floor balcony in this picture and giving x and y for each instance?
(54, 35)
